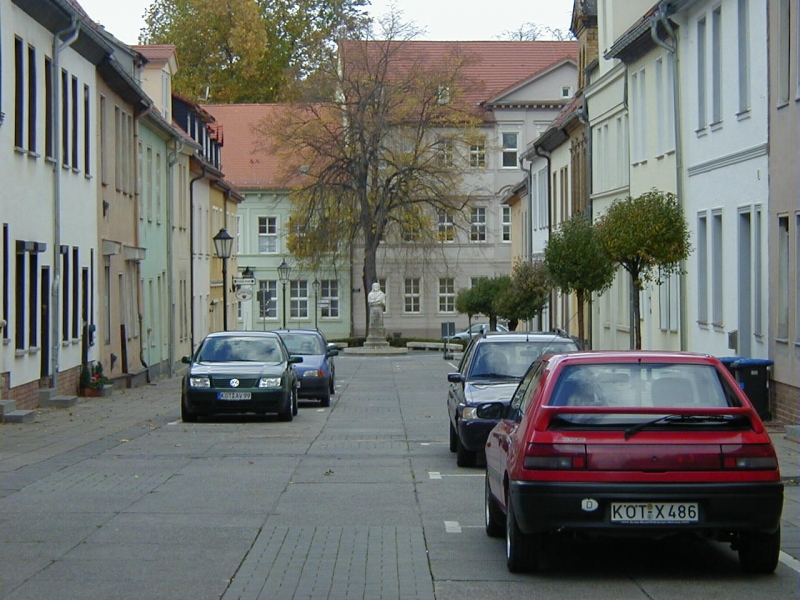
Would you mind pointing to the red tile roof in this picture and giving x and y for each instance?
(490, 67)
(246, 160)
(156, 52)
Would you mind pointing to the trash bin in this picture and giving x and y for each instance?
(753, 375)
(728, 362)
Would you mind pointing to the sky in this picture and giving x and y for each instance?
(466, 20)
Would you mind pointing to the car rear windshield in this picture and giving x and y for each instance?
(240, 349)
(668, 386)
(512, 359)
(300, 343)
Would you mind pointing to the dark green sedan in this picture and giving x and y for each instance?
(240, 372)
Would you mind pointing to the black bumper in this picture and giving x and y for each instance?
(312, 387)
(723, 507)
(473, 434)
(206, 403)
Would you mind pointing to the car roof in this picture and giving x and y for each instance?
(516, 336)
(305, 331)
(247, 333)
(632, 356)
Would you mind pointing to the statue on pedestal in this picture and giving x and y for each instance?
(377, 303)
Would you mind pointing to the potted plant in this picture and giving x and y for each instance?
(93, 382)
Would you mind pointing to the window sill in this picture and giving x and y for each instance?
(715, 126)
(34, 155)
(783, 341)
(702, 132)
(20, 150)
(743, 115)
(88, 177)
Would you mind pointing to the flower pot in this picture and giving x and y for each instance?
(97, 392)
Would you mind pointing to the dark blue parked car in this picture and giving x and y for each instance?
(490, 370)
(317, 373)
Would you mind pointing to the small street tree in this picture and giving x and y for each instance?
(382, 156)
(484, 298)
(528, 292)
(578, 263)
(649, 238)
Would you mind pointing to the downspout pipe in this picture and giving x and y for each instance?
(191, 250)
(546, 155)
(72, 32)
(661, 16)
(529, 223)
(172, 159)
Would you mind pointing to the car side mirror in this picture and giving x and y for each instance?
(293, 360)
(491, 410)
(455, 378)
(332, 352)
(187, 360)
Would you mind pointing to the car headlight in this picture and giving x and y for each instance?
(314, 373)
(269, 382)
(199, 382)
(469, 412)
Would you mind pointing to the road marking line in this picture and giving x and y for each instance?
(434, 475)
(452, 527)
(438, 475)
(175, 422)
(790, 561)
(320, 410)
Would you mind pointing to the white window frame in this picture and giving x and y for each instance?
(329, 290)
(445, 227)
(702, 268)
(506, 223)
(701, 74)
(412, 296)
(743, 43)
(716, 66)
(478, 221)
(270, 238)
(447, 295)
(298, 299)
(508, 150)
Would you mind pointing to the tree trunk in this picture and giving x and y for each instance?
(636, 324)
(369, 275)
(580, 295)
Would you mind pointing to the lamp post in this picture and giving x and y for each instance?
(248, 273)
(284, 271)
(315, 284)
(223, 244)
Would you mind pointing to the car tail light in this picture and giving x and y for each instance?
(555, 456)
(314, 373)
(749, 457)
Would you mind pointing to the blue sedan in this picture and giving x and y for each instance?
(317, 372)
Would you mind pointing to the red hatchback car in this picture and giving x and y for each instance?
(631, 443)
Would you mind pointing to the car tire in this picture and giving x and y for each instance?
(287, 414)
(464, 457)
(759, 552)
(186, 415)
(522, 550)
(295, 404)
(493, 516)
(332, 385)
(453, 438)
(325, 400)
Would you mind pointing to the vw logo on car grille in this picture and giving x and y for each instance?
(234, 383)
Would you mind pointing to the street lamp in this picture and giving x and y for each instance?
(248, 273)
(315, 284)
(223, 244)
(284, 271)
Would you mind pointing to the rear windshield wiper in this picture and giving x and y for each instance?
(631, 431)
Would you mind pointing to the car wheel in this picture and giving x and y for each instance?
(464, 457)
(186, 416)
(331, 385)
(287, 414)
(295, 403)
(522, 550)
(453, 438)
(759, 552)
(493, 516)
(326, 399)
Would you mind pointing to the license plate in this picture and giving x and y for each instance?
(636, 513)
(233, 395)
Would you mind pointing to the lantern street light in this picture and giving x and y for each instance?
(223, 244)
(284, 271)
(315, 284)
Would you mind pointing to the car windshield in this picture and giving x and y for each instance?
(303, 343)
(512, 359)
(240, 349)
(671, 386)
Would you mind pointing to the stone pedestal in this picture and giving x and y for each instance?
(376, 338)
